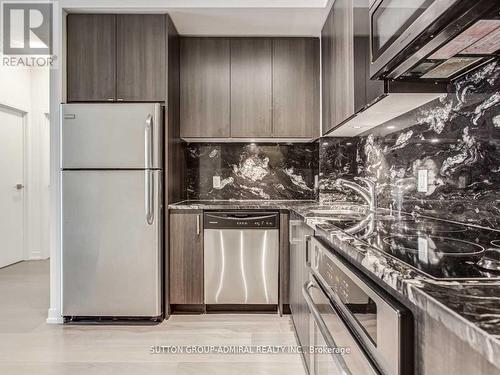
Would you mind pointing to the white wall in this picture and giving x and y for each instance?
(38, 244)
(15, 87)
(28, 90)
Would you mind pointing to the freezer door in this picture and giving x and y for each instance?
(111, 241)
(111, 136)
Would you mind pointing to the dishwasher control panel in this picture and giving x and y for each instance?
(241, 220)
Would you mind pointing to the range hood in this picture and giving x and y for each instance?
(432, 40)
(396, 99)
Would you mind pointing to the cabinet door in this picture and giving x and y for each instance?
(326, 73)
(91, 57)
(295, 87)
(251, 87)
(186, 258)
(338, 64)
(343, 61)
(205, 88)
(141, 57)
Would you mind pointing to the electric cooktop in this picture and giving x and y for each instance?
(439, 249)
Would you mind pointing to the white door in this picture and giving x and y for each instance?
(11, 186)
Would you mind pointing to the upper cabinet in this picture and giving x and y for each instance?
(91, 57)
(338, 68)
(141, 67)
(346, 84)
(116, 58)
(296, 87)
(249, 88)
(205, 87)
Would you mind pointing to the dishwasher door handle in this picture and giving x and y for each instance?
(235, 218)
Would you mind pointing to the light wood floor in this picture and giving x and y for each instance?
(29, 346)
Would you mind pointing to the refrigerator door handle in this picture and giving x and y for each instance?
(149, 196)
(148, 142)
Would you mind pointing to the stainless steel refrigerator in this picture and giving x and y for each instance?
(111, 177)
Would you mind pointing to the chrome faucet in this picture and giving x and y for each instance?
(369, 193)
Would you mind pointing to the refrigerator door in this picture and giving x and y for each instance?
(111, 136)
(111, 240)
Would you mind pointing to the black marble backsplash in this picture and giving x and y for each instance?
(252, 171)
(455, 138)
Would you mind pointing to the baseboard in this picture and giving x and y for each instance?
(187, 309)
(54, 317)
(241, 308)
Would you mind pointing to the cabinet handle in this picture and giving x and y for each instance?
(198, 225)
(110, 99)
(307, 239)
(119, 100)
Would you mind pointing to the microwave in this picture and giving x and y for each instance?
(436, 40)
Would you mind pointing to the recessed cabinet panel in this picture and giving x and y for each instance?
(141, 57)
(205, 87)
(91, 57)
(295, 87)
(251, 87)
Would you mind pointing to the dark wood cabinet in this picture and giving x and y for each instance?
(346, 87)
(186, 257)
(141, 66)
(91, 57)
(284, 265)
(296, 87)
(116, 57)
(338, 57)
(205, 88)
(251, 87)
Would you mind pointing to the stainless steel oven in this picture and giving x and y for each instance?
(356, 328)
(431, 39)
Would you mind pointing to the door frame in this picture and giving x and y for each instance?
(24, 113)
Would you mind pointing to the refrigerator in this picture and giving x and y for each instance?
(111, 179)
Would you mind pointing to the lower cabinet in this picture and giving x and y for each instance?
(299, 275)
(186, 257)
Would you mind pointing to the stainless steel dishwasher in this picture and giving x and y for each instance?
(241, 258)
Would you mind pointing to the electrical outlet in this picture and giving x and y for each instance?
(422, 180)
(462, 182)
(423, 249)
(216, 182)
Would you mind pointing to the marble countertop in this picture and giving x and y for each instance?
(304, 208)
(470, 309)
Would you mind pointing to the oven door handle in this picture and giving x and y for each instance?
(339, 361)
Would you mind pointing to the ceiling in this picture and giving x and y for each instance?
(223, 17)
